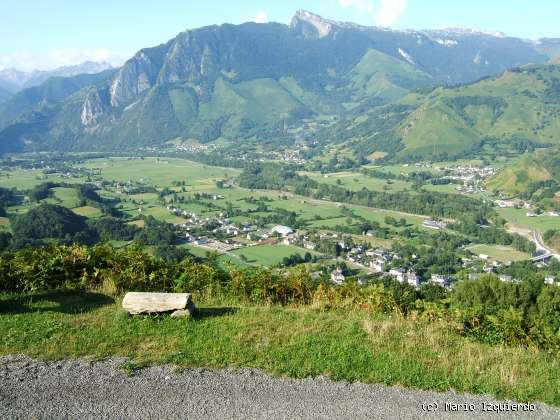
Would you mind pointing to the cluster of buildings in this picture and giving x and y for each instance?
(214, 233)
(467, 173)
(502, 277)
(218, 226)
(384, 262)
(194, 147)
(547, 213)
(522, 204)
(403, 276)
(471, 177)
(292, 156)
(513, 203)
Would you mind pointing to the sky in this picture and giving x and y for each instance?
(45, 34)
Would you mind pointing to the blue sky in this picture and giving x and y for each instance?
(49, 33)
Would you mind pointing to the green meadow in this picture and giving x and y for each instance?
(159, 171)
(356, 181)
(519, 217)
(268, 255)
(499, 253)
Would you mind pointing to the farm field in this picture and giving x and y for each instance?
(88, 211)
(519, 217)
(192, 187)
(161, 213)
(356, 181)
(28, 178)
(499, 253)
(448, 188)
(201, 252)
(163, 173)
(67, 197)
(268, 255)
(158, 171)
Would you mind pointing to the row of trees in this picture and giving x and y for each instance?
(272, 176)
(7, 198)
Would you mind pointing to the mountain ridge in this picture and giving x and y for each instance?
(208, 83)
(14, 80)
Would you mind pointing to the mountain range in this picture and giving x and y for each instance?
(516, 110)
(382, 90)
(13, 80)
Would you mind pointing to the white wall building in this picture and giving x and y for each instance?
(282, 230)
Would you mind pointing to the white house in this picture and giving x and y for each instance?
(309, 245)
(282, 230)
(440, 280)
(201, 241)
(398, 274)
(337, 277)
(378, 265)
(413, 279)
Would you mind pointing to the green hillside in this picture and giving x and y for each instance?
(379, 75)
(535, 177)
(522, 105)
(516, 178)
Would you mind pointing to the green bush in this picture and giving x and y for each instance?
(488, 310)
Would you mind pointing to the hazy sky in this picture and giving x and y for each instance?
(49, 33)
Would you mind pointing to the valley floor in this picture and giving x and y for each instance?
(88, 389)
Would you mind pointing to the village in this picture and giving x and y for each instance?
(336, 250)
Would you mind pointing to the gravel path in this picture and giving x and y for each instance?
(85, 389)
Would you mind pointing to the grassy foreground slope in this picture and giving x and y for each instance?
(294, 341)
(520, 105)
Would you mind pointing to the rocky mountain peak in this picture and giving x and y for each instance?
(311, 25)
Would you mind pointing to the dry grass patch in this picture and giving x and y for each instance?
(467, 365)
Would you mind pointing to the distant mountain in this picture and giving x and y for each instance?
(253, 80)
(48, 94)
(14, 80)
(549, 46)
(4, 95)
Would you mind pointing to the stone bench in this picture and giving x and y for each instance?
(178, 304)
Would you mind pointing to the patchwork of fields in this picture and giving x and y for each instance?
(183, 180)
